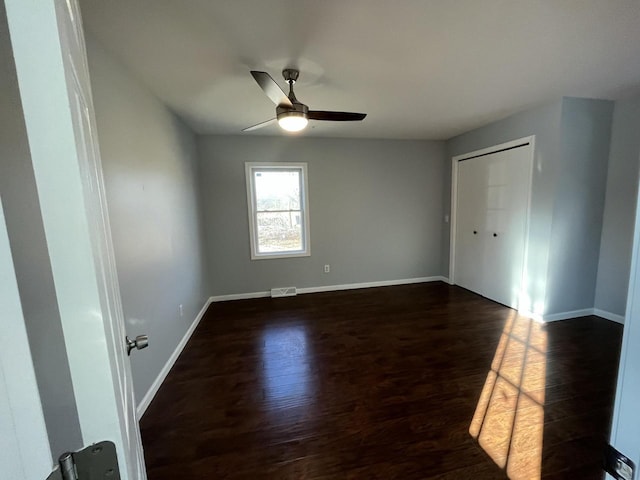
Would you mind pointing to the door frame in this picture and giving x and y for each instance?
(70, 186)
(531, 140)
(625, 422)
(24, 444)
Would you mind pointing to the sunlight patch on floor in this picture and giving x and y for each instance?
(509, 419)
(286, 366)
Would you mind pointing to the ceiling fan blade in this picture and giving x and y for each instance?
(271, 88)
(259, 125)
(336, 116)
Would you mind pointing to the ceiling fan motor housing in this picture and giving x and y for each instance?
(290, 74)
(297, 110)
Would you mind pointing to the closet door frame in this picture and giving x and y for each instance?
(454, 197)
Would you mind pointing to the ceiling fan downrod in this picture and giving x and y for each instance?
(291, 76)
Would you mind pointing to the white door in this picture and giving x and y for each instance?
(470, 220)
(51, 66)
(492, 191)
(625, 429)
(24, 445)
(507, 196)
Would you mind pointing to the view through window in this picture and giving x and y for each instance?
(278, 215)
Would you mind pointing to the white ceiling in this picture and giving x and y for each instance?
(425, 69)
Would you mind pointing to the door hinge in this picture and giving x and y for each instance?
(96, 462)
(617, 465)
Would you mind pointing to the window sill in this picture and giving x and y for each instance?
(276, 255)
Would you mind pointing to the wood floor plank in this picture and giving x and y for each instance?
(413, 382)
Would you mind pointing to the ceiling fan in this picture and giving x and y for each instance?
(291, 114)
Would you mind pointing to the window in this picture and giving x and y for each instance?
(278, 209)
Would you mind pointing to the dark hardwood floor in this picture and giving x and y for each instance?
(408, 382)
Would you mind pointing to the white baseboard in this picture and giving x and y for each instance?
(239, 296)
(556, 317)
(533, 316)
(332, 288)
(383, 283)
(155, 386)
(614, 317)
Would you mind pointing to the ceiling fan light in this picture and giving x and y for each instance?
(292, 121)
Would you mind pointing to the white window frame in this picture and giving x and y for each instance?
(250, 167)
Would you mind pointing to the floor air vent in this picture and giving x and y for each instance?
(283, 292)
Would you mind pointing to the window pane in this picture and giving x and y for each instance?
(277, 190)
(278, 209)
(279, 231)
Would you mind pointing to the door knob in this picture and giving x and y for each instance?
(141, 341)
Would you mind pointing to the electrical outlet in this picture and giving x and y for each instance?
(181, 310)
(327, 268)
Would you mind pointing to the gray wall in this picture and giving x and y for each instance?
(567, 199)
(375, 211)
(150, 169)
(578, 204)
(544, 122)
(619, 211)
(31, 261)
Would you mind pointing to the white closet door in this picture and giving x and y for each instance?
(507, 183)
(492, 204)
(470, 212)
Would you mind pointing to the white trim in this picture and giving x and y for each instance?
(239, 296)
(25, 452)
(454, 199)
(155, 386)
(452, 219)
(625, 423)
(556, 317)
(48, 47)
(304, 209)
(383, 283)
(332, 288)
(494, 148)
(524, 281)
(533, 316)
(614, 317)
